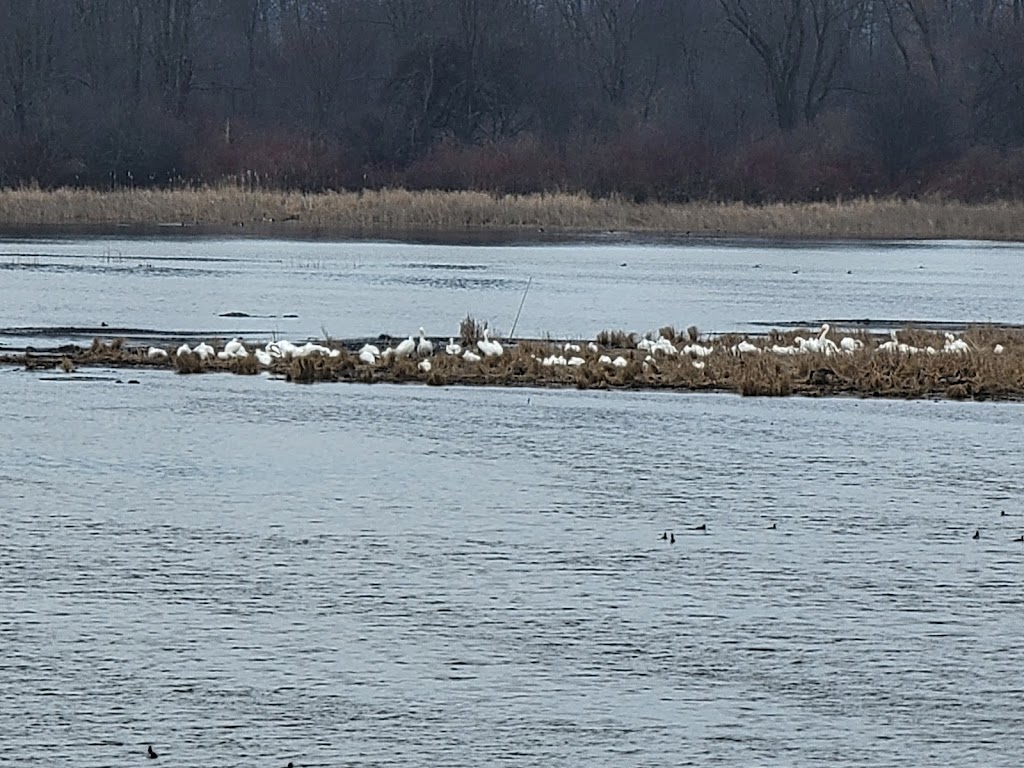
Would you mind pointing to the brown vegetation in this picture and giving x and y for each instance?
(402, 210)
(980, 372)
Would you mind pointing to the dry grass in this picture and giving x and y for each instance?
(471, 331)
(396, 210)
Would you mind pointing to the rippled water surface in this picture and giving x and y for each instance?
(246, 572)
(355, 289)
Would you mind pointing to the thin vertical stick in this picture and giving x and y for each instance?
(512, 333)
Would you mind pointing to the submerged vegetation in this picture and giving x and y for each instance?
(397, 210)
(983, 363)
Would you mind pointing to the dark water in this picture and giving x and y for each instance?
(351, 289)
(245, 572)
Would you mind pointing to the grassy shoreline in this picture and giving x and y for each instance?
(399, 211)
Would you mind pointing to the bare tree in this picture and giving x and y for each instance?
(801, 45)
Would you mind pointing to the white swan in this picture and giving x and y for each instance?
(744, 348)
(893, 345)
(204, 351)
(156, 352)
(592, 347)
(235, 348)
(848, 344)
(263, 357)
(998, 349)
(184, 349)
(488, 347)
(406, 348)
(956, 346)
(620, 362)
(424, 365)
(452, 348)
(576, 361)
(367, 356)
(471, 357)
(425, 348)
(371, 348)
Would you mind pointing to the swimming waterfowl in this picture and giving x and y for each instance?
(701, 527)
(977, 535)
(150, 753)
(664, 536)
(672, 538)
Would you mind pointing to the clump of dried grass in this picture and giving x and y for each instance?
(471, 331)
(190, 363)
(616, 339)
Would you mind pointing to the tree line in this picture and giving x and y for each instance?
(649, 99)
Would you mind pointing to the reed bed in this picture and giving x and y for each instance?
(983, 371)
(398, 210)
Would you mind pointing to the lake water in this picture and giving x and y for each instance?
(242, 571)
(355, 289)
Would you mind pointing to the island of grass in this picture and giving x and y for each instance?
(982, 363)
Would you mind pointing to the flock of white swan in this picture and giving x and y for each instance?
(653, 344)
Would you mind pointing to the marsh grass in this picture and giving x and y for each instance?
(471, 331)
(398, 210)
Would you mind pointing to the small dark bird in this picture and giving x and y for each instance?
(796, 271)
(150, 753)
(1002, 513)
(771, 527)
(672, 539)
(664, 536)
(289, 766)
(977, 535)
(1020, 538)
(701, 527)
(623, 264)
(849, 271)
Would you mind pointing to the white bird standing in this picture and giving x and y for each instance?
(488, 347)
(425, 348)
(406, 348)
(452, 348)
